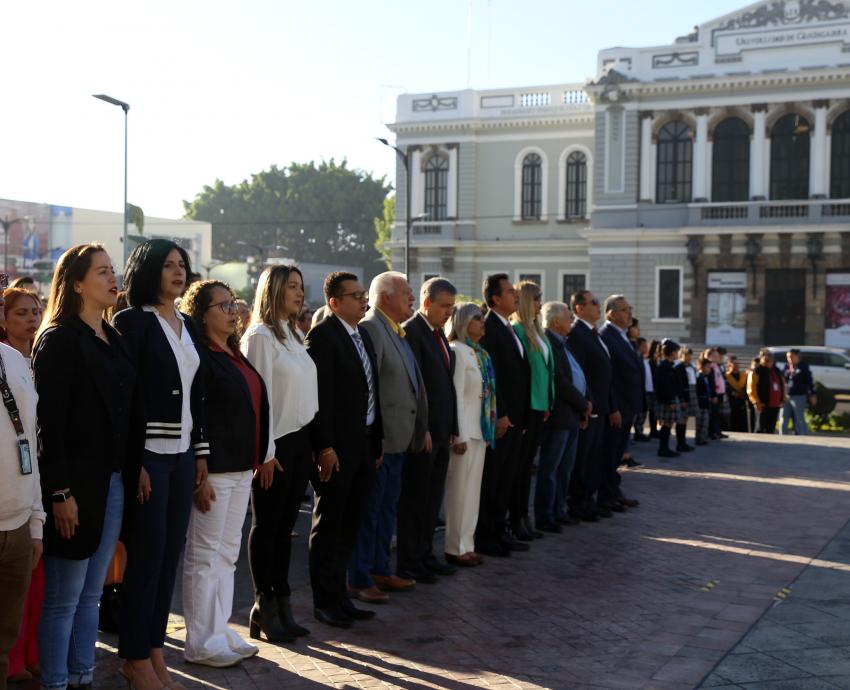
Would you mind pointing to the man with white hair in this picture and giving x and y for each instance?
(404, 413)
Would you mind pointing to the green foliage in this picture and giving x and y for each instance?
(819, 415)
(136, 216)
(321, 213)
(384, 231)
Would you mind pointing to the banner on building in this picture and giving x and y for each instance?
(837, 327)
(726, 322)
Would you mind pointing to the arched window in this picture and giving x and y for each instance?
(436, 186)
(840, 168)
(730, 165)
(576, 191)
(532, 187)
(789, 158)
(675, 149)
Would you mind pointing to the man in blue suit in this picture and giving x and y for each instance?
(626, 398)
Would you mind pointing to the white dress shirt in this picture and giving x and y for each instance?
(188, 363)
(290, 377)
(650, 386)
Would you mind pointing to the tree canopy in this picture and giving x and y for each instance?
(321, 213)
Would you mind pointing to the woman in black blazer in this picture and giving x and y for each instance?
(169, 360)
(91, 439)
(238, 415)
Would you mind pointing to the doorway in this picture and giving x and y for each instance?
(785, 306)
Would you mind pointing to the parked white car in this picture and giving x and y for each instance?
(830, 365)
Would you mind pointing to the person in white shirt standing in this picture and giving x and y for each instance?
(274, 346)
(21, 512)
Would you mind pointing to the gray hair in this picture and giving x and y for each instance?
(551, 311)
(320, 315)
(434, 286)
(383, 284)
(462, 315)
(611, 302)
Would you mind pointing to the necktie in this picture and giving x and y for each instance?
(367, 369)
(442, 346)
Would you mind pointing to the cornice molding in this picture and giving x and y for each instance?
(472, 126)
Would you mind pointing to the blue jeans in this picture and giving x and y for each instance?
(156, 538)
(372, 550)
(72, 591)
(795, 409)
(557, 456)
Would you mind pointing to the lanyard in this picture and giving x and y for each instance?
(9, 401)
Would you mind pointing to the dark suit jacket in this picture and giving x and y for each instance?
(513, 376)
(570, 404)
(76, 418)
(595, 364)
(231, 420)
(627, 384)
(439, 379)
(340, 422)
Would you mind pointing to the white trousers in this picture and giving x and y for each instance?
(209, 563)
(463, 493)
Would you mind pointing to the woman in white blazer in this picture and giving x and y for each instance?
(475, 386)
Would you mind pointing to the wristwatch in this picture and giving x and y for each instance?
(60, 496)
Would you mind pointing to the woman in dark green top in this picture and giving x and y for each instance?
(541, 362)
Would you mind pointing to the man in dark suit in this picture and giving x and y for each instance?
(561, 431)
(626, 398)
(424, 474)
(513, 400)
(347, 437)
(592, 355)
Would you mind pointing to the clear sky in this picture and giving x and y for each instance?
(225, 89)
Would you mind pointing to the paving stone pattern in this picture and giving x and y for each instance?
(653, 598)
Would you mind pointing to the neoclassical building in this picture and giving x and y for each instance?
(708, 180)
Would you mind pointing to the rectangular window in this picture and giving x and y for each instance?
(668, 298)
(570, 283)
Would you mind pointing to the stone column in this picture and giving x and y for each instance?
(757, 153)
(818, 159)
(700, 162)
(647, 193)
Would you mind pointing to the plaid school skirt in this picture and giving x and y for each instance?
(692, 409)
(665, 415)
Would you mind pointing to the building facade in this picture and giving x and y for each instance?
(708, 180)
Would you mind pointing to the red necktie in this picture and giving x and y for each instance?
(445, 352)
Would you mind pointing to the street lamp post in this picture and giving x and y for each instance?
(405, 159)
(126, 108)
(7, 227)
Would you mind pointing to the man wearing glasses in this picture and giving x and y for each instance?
(348, 440)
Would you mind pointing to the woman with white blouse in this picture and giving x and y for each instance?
(475, 387)
(273, 345)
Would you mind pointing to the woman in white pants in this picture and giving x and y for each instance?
(238, 418)
(475, 386)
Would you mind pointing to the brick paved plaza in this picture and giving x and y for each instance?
(654, 598)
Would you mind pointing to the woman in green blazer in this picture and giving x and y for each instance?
(541, 362)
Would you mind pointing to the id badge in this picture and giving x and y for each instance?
(24, 455)
(776, 386)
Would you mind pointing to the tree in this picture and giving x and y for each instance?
(321, 213)
(384, 231)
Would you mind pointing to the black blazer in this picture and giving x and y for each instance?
(160, 377)
(682, 377)
(340, 422)
(595, 364)
(570, 405)
(667, 387)
(230, 415)
(627, 387)
(513, 375)
(439, 379)
(76, 430)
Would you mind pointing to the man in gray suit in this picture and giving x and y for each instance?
(404, 411)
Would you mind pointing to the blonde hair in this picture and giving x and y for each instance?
(527, 316)
(269, 301)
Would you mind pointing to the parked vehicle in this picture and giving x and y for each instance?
(830, 365)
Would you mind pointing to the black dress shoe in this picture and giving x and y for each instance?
(631, 462)
(641, 438)
(615, 507)
(509, 542)
(590, 517)
(332, 616)
(352, 611)
(425, 577)
(434, 566)
(493, 549)
(702, 443)
(568, 520)
(629, 502)
(684, 449)
(722, 435)
(535, 533)
(521, 533)
(602, 511)
(667, 453)
(552, 527)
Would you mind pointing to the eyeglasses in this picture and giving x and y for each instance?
(359, 295)
(227, 307)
